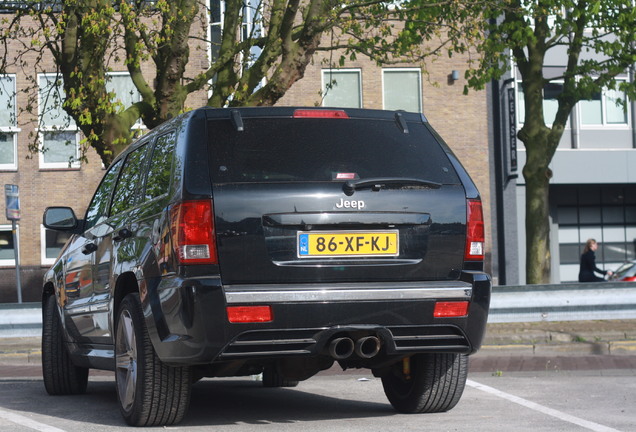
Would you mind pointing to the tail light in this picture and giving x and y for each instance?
(629, 279)
(192, 230)
(474, 231)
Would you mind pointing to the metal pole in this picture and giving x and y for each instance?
(16, 249)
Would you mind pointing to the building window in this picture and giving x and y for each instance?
(121, 84)
(251, 18)
(123, 87)
(342, 88)
(604, 213)
(7, 252)
(58, 133)
(251, 28)
(8, 123)
(52, 243)
(402, 89)
(551, 92)
(604, 109)
(216, 8)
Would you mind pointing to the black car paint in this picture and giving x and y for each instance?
(185, 306)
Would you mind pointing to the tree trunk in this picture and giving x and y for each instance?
(538, 264)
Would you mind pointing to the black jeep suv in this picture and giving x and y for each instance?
(235, 242)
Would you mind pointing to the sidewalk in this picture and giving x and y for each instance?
(546, 339)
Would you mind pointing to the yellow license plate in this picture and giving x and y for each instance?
(346, 244)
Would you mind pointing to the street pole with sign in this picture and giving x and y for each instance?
(12, 198)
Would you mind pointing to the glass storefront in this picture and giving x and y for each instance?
(606, 213)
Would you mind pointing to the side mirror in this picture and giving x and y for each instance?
(60, 219)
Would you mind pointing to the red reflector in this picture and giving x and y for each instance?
(450, 309)
(474, 231)
(629, 279)
(248, 314)
(315, 113)
(192, 229)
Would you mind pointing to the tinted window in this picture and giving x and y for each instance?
(160, 167)
(127, 189)
(318, 150)
(98, 208)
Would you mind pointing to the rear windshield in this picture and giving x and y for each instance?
(287, 150)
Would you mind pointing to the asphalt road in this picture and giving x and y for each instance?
(549, 399)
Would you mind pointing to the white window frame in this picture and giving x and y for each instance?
(11, 129)
(324, 75)
(604, 124)
(419, 85)
(71, 127)
(9, 262)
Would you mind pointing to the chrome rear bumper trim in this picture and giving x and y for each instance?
(242, 294)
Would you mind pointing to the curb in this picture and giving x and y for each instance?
(21, 350)
(21, 358)
(617, 347)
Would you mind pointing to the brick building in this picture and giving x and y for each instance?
(47, 179)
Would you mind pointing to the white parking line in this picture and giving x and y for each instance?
(27, 422)
(540, 408)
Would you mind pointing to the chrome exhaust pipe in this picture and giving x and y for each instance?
(341, 348)
(367, 347)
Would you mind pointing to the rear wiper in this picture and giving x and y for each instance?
(378, 183)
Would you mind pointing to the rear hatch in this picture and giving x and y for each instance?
(335, 199)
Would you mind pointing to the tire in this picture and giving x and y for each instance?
(272, 378)
(149, 392)
(61, 376)
(435, 383)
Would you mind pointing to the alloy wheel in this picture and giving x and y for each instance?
(126, 360)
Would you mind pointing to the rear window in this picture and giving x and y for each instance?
(287, 150)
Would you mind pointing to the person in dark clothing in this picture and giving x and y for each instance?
(588, 264)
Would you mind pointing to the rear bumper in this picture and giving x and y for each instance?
(188, 324)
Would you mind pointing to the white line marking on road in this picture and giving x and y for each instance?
(27, 422)
(540, 408)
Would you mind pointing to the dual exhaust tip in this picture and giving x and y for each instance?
(344, 347)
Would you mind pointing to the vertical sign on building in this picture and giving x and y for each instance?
(512, 128)
(12, 200)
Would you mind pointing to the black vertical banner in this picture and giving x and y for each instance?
(512, 129)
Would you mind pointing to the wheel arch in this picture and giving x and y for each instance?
(126, 284)
(48, 290)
